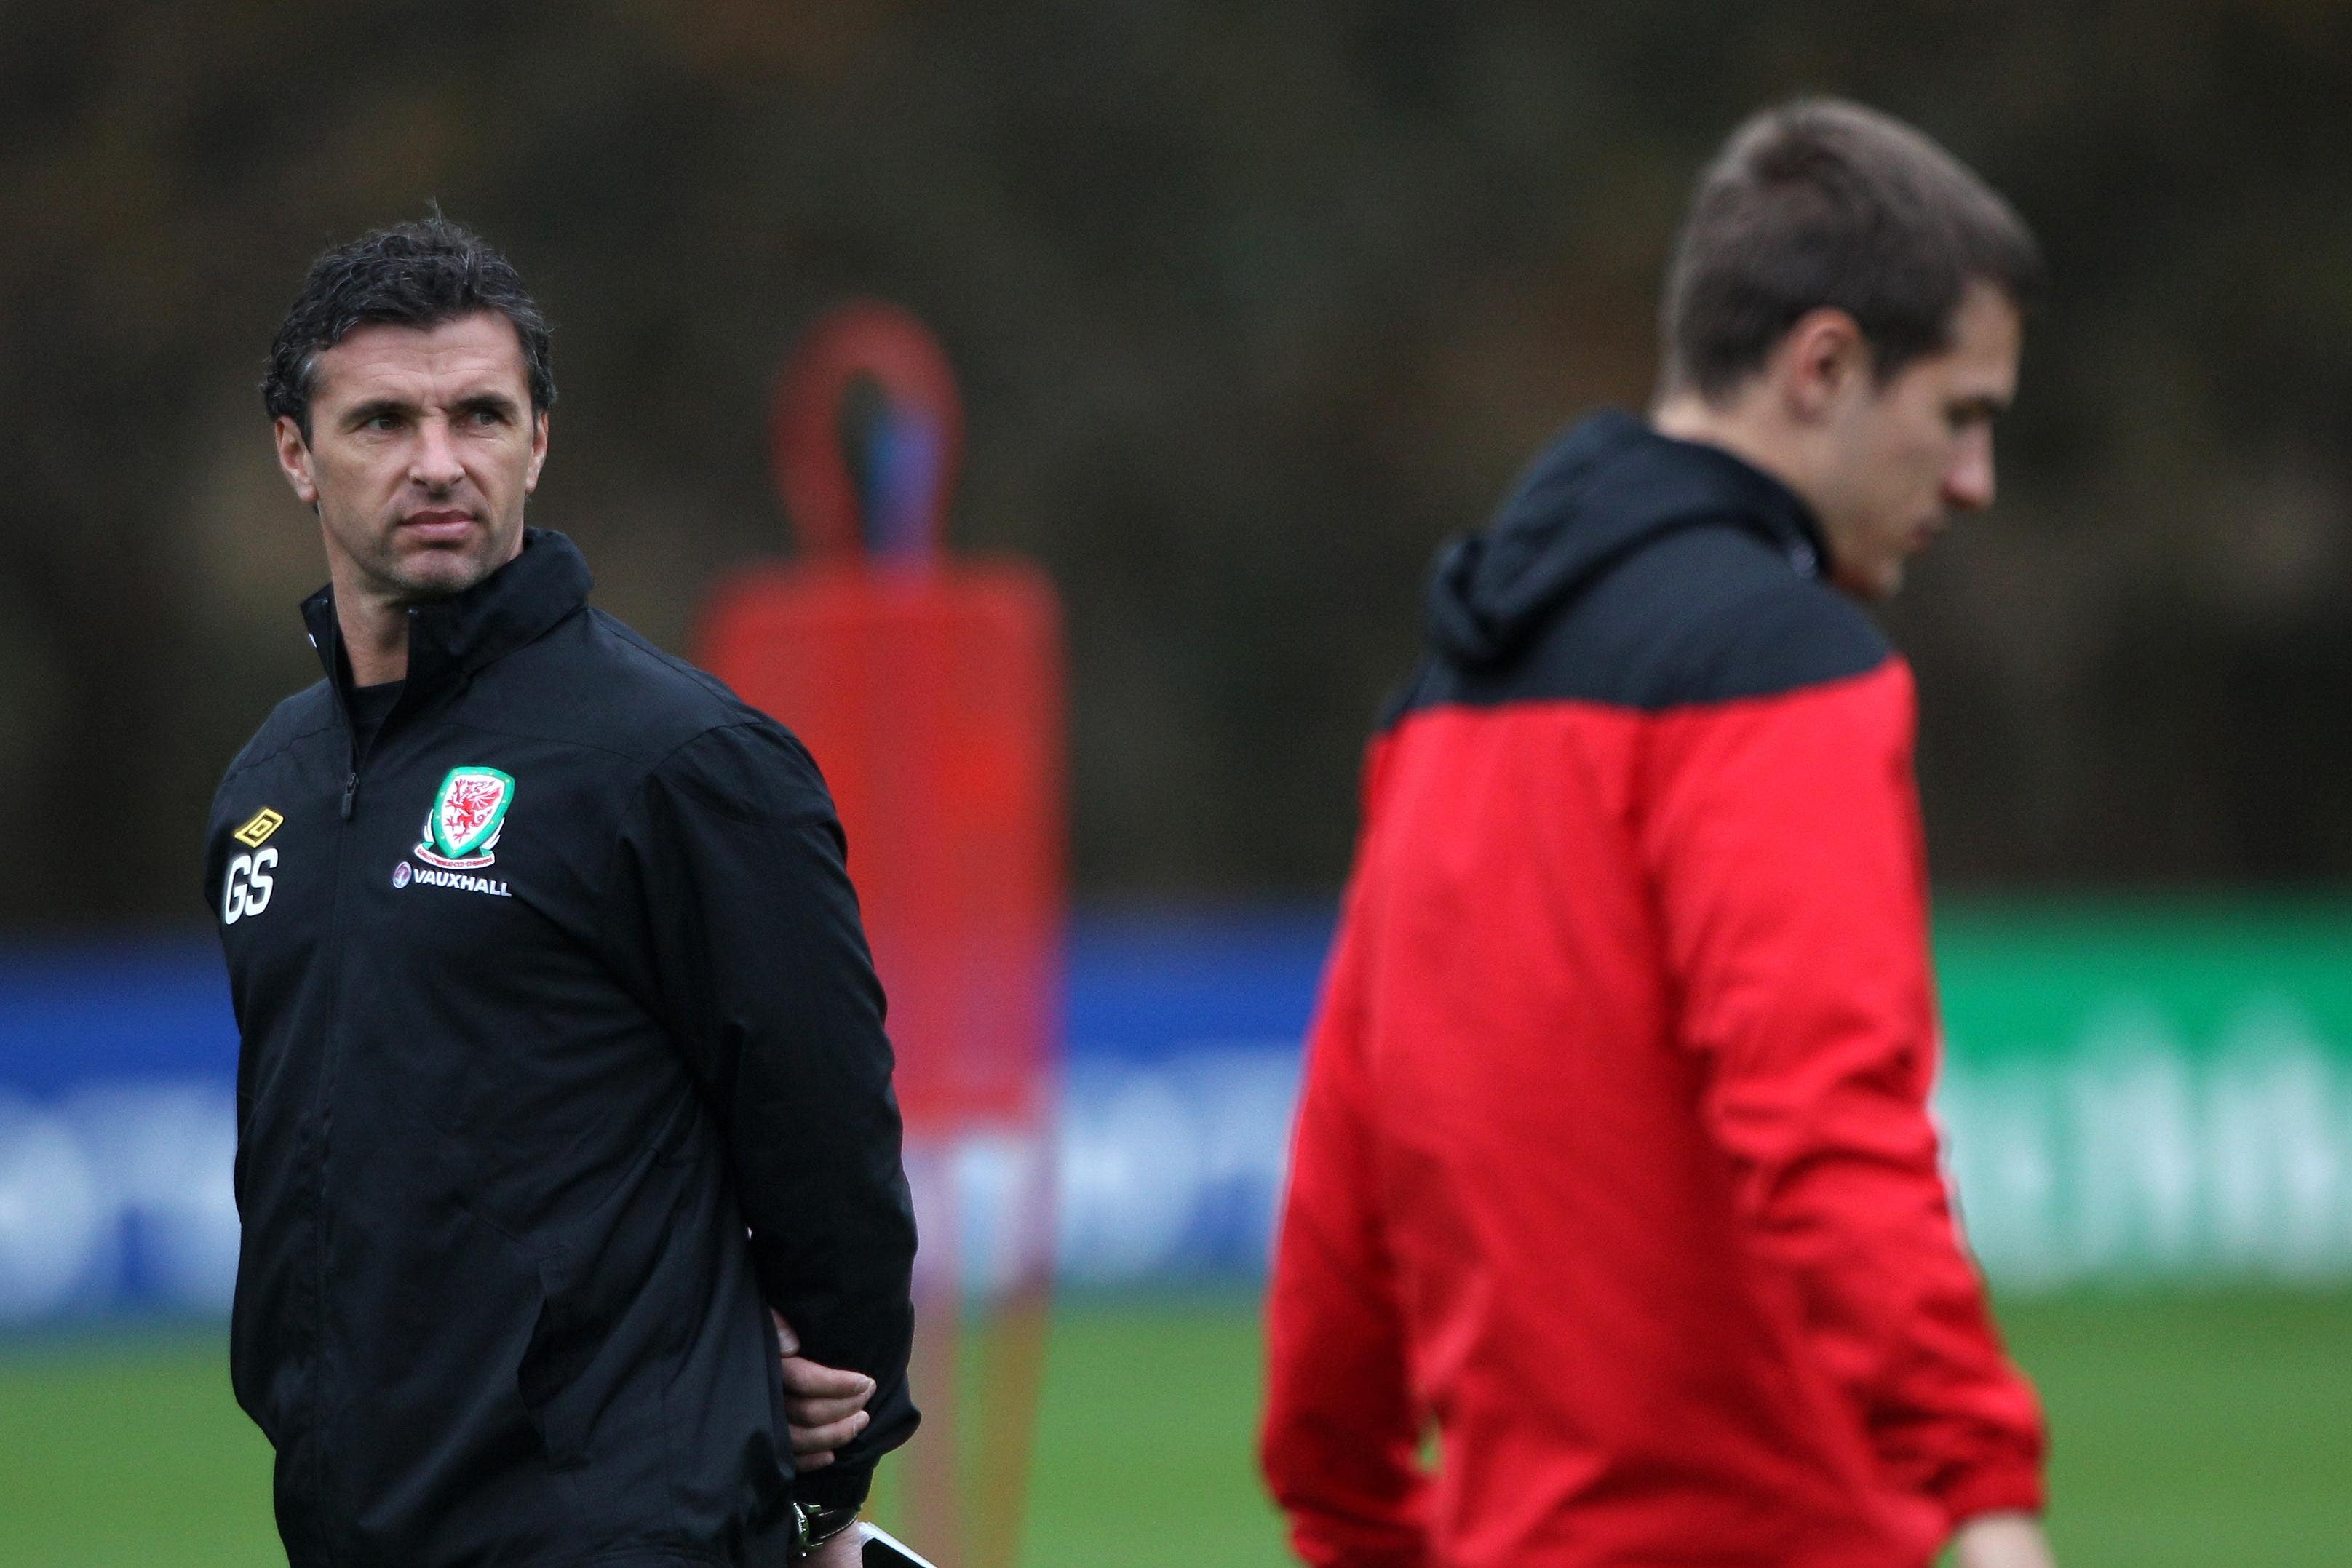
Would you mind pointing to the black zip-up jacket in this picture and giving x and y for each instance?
(563, 1062)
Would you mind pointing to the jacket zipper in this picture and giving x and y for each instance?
(332, 1039)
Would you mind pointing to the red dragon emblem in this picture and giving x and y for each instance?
(465, 823)
(468, 806)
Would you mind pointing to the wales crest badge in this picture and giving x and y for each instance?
(461, 832)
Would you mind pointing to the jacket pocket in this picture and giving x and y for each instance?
(549, 1379)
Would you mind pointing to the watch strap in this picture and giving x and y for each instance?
(813, 1526)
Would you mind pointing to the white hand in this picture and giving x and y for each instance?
(2006, 1540)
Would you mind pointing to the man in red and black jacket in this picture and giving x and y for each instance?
(1615, 1168)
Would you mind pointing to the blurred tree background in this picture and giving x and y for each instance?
(1253, 304)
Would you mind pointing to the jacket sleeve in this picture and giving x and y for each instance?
(1338, 1446)
(753, 952)
(1783, 842)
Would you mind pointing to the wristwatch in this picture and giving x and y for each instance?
(813, 1526)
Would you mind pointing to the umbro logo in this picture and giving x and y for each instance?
(248, 885)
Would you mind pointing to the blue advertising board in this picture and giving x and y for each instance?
(2132, 1095)
(118, 1078)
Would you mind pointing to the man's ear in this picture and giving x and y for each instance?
(294, 460)
(1819, 361)
(537, 452)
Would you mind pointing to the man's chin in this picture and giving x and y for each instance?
(427, 572)
(422, 577)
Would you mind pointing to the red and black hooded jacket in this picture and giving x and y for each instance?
(1613, 1165)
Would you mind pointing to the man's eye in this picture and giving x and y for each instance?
(381, 422)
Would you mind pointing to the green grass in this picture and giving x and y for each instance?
(2189, 1431)
(1146, 1441)
(2201, 1431)
(125, 1453)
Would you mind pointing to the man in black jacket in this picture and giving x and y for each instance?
(563, 1062)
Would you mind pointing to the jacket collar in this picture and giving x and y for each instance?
(452, 638)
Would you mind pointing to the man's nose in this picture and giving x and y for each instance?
(436, 465)
(1969, 483)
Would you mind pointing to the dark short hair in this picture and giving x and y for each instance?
(1824, 202)
(411, 274)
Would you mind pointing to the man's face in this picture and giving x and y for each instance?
(422, 446)
(1913, 450)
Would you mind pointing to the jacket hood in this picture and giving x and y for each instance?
(1603, 490)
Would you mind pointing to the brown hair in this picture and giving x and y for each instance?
(412, 274)
(1824, 202)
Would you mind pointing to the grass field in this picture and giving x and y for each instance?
(2205, 1431)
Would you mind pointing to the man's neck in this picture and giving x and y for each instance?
(375, 636)
(1688, 417)
(374, 621)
